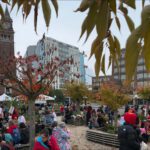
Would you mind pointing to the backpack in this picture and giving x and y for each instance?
(16, 136)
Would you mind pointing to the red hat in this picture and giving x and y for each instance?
(130, 118)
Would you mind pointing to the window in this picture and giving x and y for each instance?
(139, 76)
(123, 77)
(116, 77)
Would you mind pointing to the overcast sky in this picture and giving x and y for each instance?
(66, 28)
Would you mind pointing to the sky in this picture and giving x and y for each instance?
(66, 28)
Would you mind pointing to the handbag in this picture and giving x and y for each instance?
(144, 146)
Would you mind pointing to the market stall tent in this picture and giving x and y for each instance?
(5, 97)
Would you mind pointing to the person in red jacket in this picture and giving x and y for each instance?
(11, 127)
(45, 142)
(130, 117)
(15, 114)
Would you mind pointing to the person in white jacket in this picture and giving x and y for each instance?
(21, 119)
(54, 114)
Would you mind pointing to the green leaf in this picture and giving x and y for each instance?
(20, 2)
(95, 43)
(83, 28)
(55, 4)
(143, 2)
(118, 22)
(46, 11)
(103, 65)
(83, 6)
(5, 1)
(26, 8)
(102, 20)
(14, 2)
(130, 3)
(1, 11)
(113, 5)
(35, 17)
(130, 23)
(98, 55)
(110, 61)
(132, 53)
(90, 22)
(146, 50)
(123, 9)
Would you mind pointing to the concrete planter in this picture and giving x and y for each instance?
(102, 138)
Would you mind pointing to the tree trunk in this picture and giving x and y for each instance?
(78, 106)
(115, 119)
(32, 122)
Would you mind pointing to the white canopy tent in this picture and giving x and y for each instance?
(5, 97)
(45, 97)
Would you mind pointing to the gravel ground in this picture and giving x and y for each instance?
(78, 139)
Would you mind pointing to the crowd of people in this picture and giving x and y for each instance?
(49, 135)
(133, 129)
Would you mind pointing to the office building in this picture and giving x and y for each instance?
(141, 77)
(47, 46)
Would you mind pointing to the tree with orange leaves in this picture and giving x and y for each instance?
(31, 80)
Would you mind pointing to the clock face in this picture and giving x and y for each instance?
(6, 25)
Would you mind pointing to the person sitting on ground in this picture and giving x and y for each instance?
(41, 142)
(14, 131)
(21, 119)
(7, 137)
(128, 134)
(24, 133)
(5, 146)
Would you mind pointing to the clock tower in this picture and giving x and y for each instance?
(6, 42)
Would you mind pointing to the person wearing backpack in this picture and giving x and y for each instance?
(128, 134)
(14, 131)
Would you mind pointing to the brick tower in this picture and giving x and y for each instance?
(6, 43)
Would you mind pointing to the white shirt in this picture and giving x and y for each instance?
(55, 117)
(21, 119)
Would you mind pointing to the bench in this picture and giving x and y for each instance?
(22, 146)
(102, 138)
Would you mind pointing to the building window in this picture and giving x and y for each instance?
(123, 77)
(116, 77)
(139, 76)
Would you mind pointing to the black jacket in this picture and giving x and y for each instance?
(129, 138)
(24, 133)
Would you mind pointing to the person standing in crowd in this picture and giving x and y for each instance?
(21, 119)
(128, 134)
(1, 113)
(49, 118)
(24, 133)
(88, 115)
(15, 114)
(62, 135)
(93, 118)
(54, 114)
(130, 117)
(62, 109)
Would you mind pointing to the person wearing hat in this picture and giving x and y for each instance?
(62, 135)
(128, 134)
